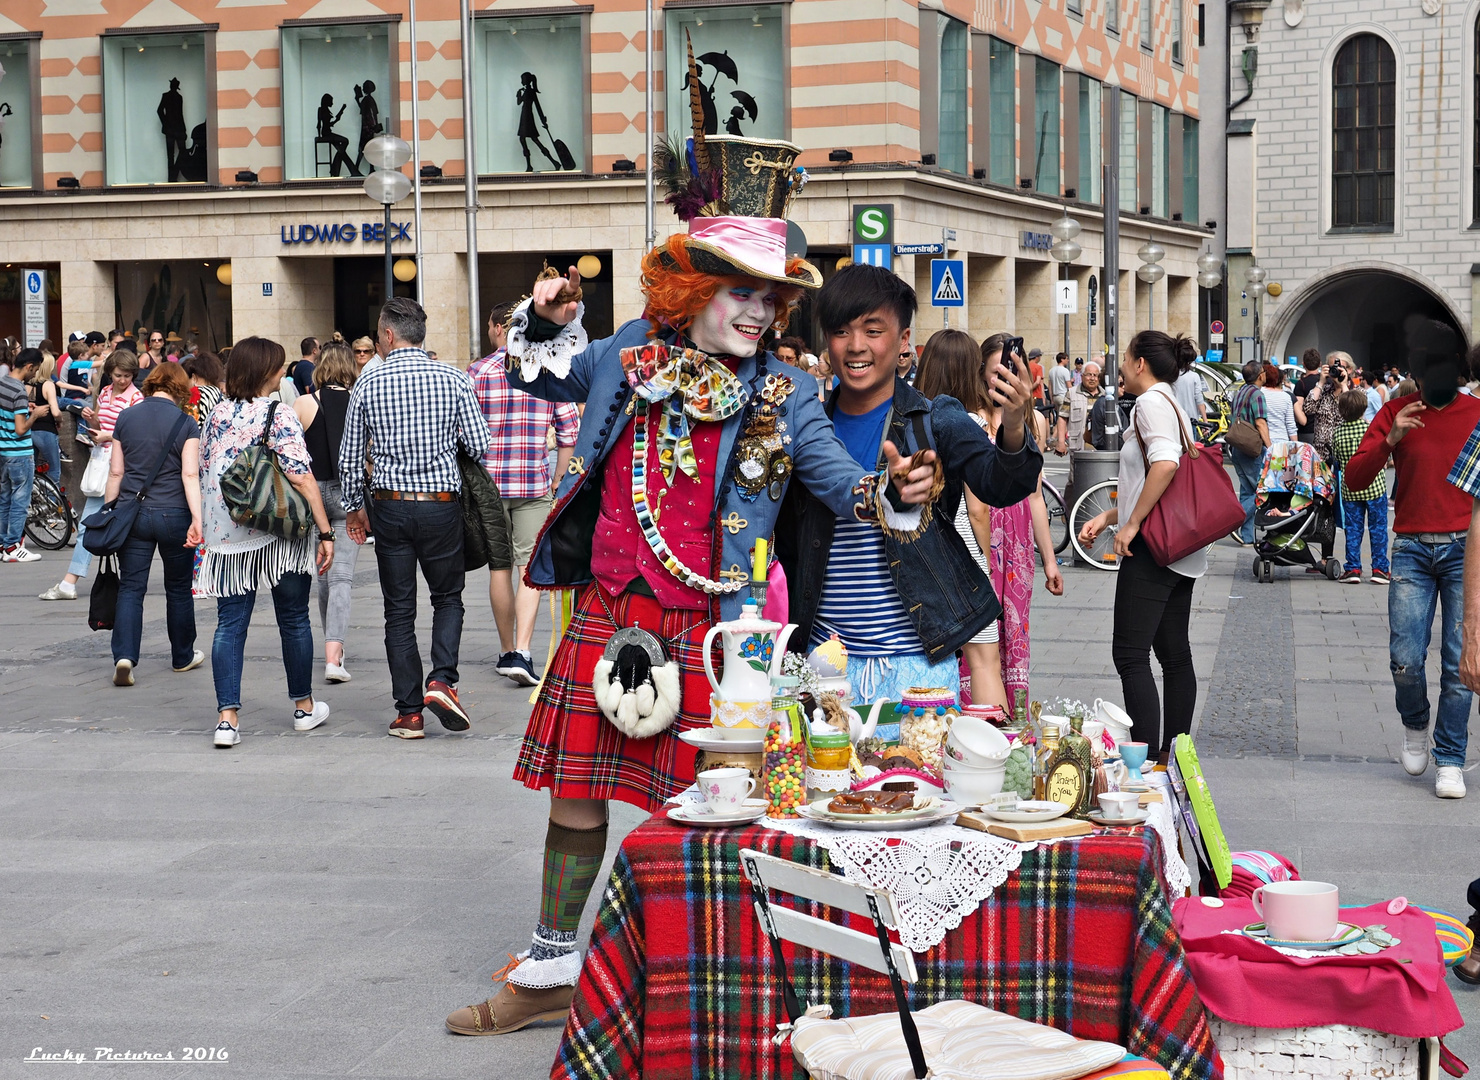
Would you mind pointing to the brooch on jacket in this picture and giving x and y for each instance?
(690, 385)
(761, 460)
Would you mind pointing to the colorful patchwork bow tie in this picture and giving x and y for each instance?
(690, 385)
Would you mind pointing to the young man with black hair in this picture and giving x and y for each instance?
(17, 463)
(902, 610)
(1426, 434)
(302, 372)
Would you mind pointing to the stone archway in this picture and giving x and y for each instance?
(1359, 309)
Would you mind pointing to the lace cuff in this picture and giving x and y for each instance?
(906, 523)
(532, 353)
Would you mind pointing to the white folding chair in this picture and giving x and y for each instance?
(967, 1040)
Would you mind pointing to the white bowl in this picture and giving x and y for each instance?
(974, 787)
(976, 742)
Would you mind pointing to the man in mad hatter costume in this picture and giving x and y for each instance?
(689, 438)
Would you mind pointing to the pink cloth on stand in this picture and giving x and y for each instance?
(1400, 990)
(1012, 566)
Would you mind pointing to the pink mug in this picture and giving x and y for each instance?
(1298, 910)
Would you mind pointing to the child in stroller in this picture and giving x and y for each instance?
(1295, 513)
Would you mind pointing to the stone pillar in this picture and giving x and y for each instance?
(446, 291)
(1181, 293)
(301, 304)
(1033, 318)
(87, 298)
(993, 295)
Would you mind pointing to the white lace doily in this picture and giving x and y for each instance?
(1160, 818)
(936, 875)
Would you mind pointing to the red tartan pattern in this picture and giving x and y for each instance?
(677, 982)
(572, 749)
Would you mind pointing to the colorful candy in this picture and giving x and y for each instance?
(784, 771)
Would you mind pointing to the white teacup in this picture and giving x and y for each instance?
(1119, 805)
(1298, 910)
(1116, 720)
(724, 790)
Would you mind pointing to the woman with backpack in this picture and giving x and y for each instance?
(240, 559)
(322, 415)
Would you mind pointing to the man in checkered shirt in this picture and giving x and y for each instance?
(411, 414)
(519, 464)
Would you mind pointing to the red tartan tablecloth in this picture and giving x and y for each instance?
(678, 984)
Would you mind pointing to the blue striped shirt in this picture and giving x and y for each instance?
(13, 403)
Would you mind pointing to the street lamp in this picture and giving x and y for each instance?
(386, 184)
(1065, 250)
(1209, 270)
(1254, 286)
(1151, 271)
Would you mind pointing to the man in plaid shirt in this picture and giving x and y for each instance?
(519, 463)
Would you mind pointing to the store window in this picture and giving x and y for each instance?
(1046, 127)
(1091, 145)
(530, 81)
(1129, 155)
(952, 151)
(1147, 18)
(1177, 44)
(1160, 160)
(741, 61)
(1364, 85)
(1002, 90)
(338, 94)
(158, 111)
(17, 114)
(1112, 16)
(1190, 169)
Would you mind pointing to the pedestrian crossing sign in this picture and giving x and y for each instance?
(947, 283)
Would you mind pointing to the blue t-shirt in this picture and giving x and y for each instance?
(1374, 404)
(859, 601)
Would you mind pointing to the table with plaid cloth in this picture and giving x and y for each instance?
(678, 980)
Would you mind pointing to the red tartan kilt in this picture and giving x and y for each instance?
(575, 751)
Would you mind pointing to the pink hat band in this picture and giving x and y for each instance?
(756, 243)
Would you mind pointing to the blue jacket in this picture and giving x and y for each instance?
(562, 554)
(946, 595)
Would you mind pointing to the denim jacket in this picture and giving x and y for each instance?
(562, 553)
(946, 594)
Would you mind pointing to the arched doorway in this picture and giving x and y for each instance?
(1360, 311)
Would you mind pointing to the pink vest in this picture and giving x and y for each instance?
(620, 552)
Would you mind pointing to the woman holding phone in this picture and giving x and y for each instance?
(1153, 603)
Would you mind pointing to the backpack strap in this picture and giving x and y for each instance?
(159, 462)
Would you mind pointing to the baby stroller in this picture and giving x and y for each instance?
(1295, 512)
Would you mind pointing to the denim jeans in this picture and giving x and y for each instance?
(17, 472)
(1247, 469)
(336, 585)
(429, 535)
(1376, 513)
(81, 557)
(48, 452)
(1426, 576)
(165, 529)
(228, 650)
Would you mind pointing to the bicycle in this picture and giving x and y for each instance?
(50, 519)
(1099, 553)
(1058, 520)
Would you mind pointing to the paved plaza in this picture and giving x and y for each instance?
(315, 903)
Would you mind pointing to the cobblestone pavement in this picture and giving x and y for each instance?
(316, 903)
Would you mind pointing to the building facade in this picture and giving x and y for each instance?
(1352, 155)
(195, 164)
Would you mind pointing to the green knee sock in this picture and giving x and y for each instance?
(572, 861)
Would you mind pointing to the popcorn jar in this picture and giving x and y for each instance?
(926, 714)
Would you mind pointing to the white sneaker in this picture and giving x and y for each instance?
(335, 673)
(1415, 752)
(60, 591)
(226, 735)
(196, 660)
(307, 721)
(20, 553)
(1449, 782)
(123, 673)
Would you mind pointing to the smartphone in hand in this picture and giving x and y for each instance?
(1014, 348)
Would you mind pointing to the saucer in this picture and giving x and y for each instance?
(1346, 934)
(1027, 812)
(1137, 818)
(686, 814)
(725, 740)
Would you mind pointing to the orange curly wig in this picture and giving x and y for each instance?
(676, 292)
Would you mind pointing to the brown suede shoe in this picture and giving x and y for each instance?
(512, 1008)
(1468, 969)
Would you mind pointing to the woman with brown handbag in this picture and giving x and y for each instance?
(1153, 603)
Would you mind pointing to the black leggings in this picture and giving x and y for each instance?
(1152, 609)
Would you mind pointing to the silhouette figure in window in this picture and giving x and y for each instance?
(171, 113)
(528, 97)
(370, 125)
(5, 110)
(191, 164)
(327, 119)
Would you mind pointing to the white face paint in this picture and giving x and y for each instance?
(732, 323)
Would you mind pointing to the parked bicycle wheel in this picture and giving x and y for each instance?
(1058, 518)
(1101, 553)
(49, 519)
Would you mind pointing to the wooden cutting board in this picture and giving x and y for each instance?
(1048, 830)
